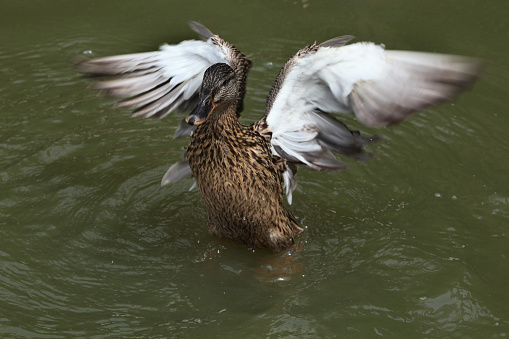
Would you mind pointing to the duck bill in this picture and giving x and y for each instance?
(200, 112)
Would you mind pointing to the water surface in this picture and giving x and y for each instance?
(413, 243)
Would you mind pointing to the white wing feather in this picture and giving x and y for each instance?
(156, 83)
(380, 87)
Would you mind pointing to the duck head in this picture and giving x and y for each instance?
(218, 91)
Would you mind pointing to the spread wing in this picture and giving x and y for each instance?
(380, 87)
(154, 84)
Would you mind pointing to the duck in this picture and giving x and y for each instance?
(242, 171)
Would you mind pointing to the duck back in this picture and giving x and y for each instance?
(241, 185)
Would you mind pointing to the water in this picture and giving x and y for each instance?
(413, 243)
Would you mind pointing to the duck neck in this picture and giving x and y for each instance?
(223, 118)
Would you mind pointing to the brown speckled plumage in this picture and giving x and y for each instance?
(239, 179)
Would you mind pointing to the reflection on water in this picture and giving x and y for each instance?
(411, 243)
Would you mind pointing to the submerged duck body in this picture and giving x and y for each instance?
(241, 184)
(240, 180)
(242, 172)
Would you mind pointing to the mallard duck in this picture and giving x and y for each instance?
(242, 172)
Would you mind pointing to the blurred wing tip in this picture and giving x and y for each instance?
(415, 82)
(337, 41)
(184, 129)
(477, 68)
(136, 114)
(176, 172)
(202, 31)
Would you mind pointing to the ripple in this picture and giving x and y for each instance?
(92, 246)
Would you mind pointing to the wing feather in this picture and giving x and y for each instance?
(380, 87)
(154, 84)
(176, 172)
(159, 82)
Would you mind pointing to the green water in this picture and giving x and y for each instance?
(413, 243)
